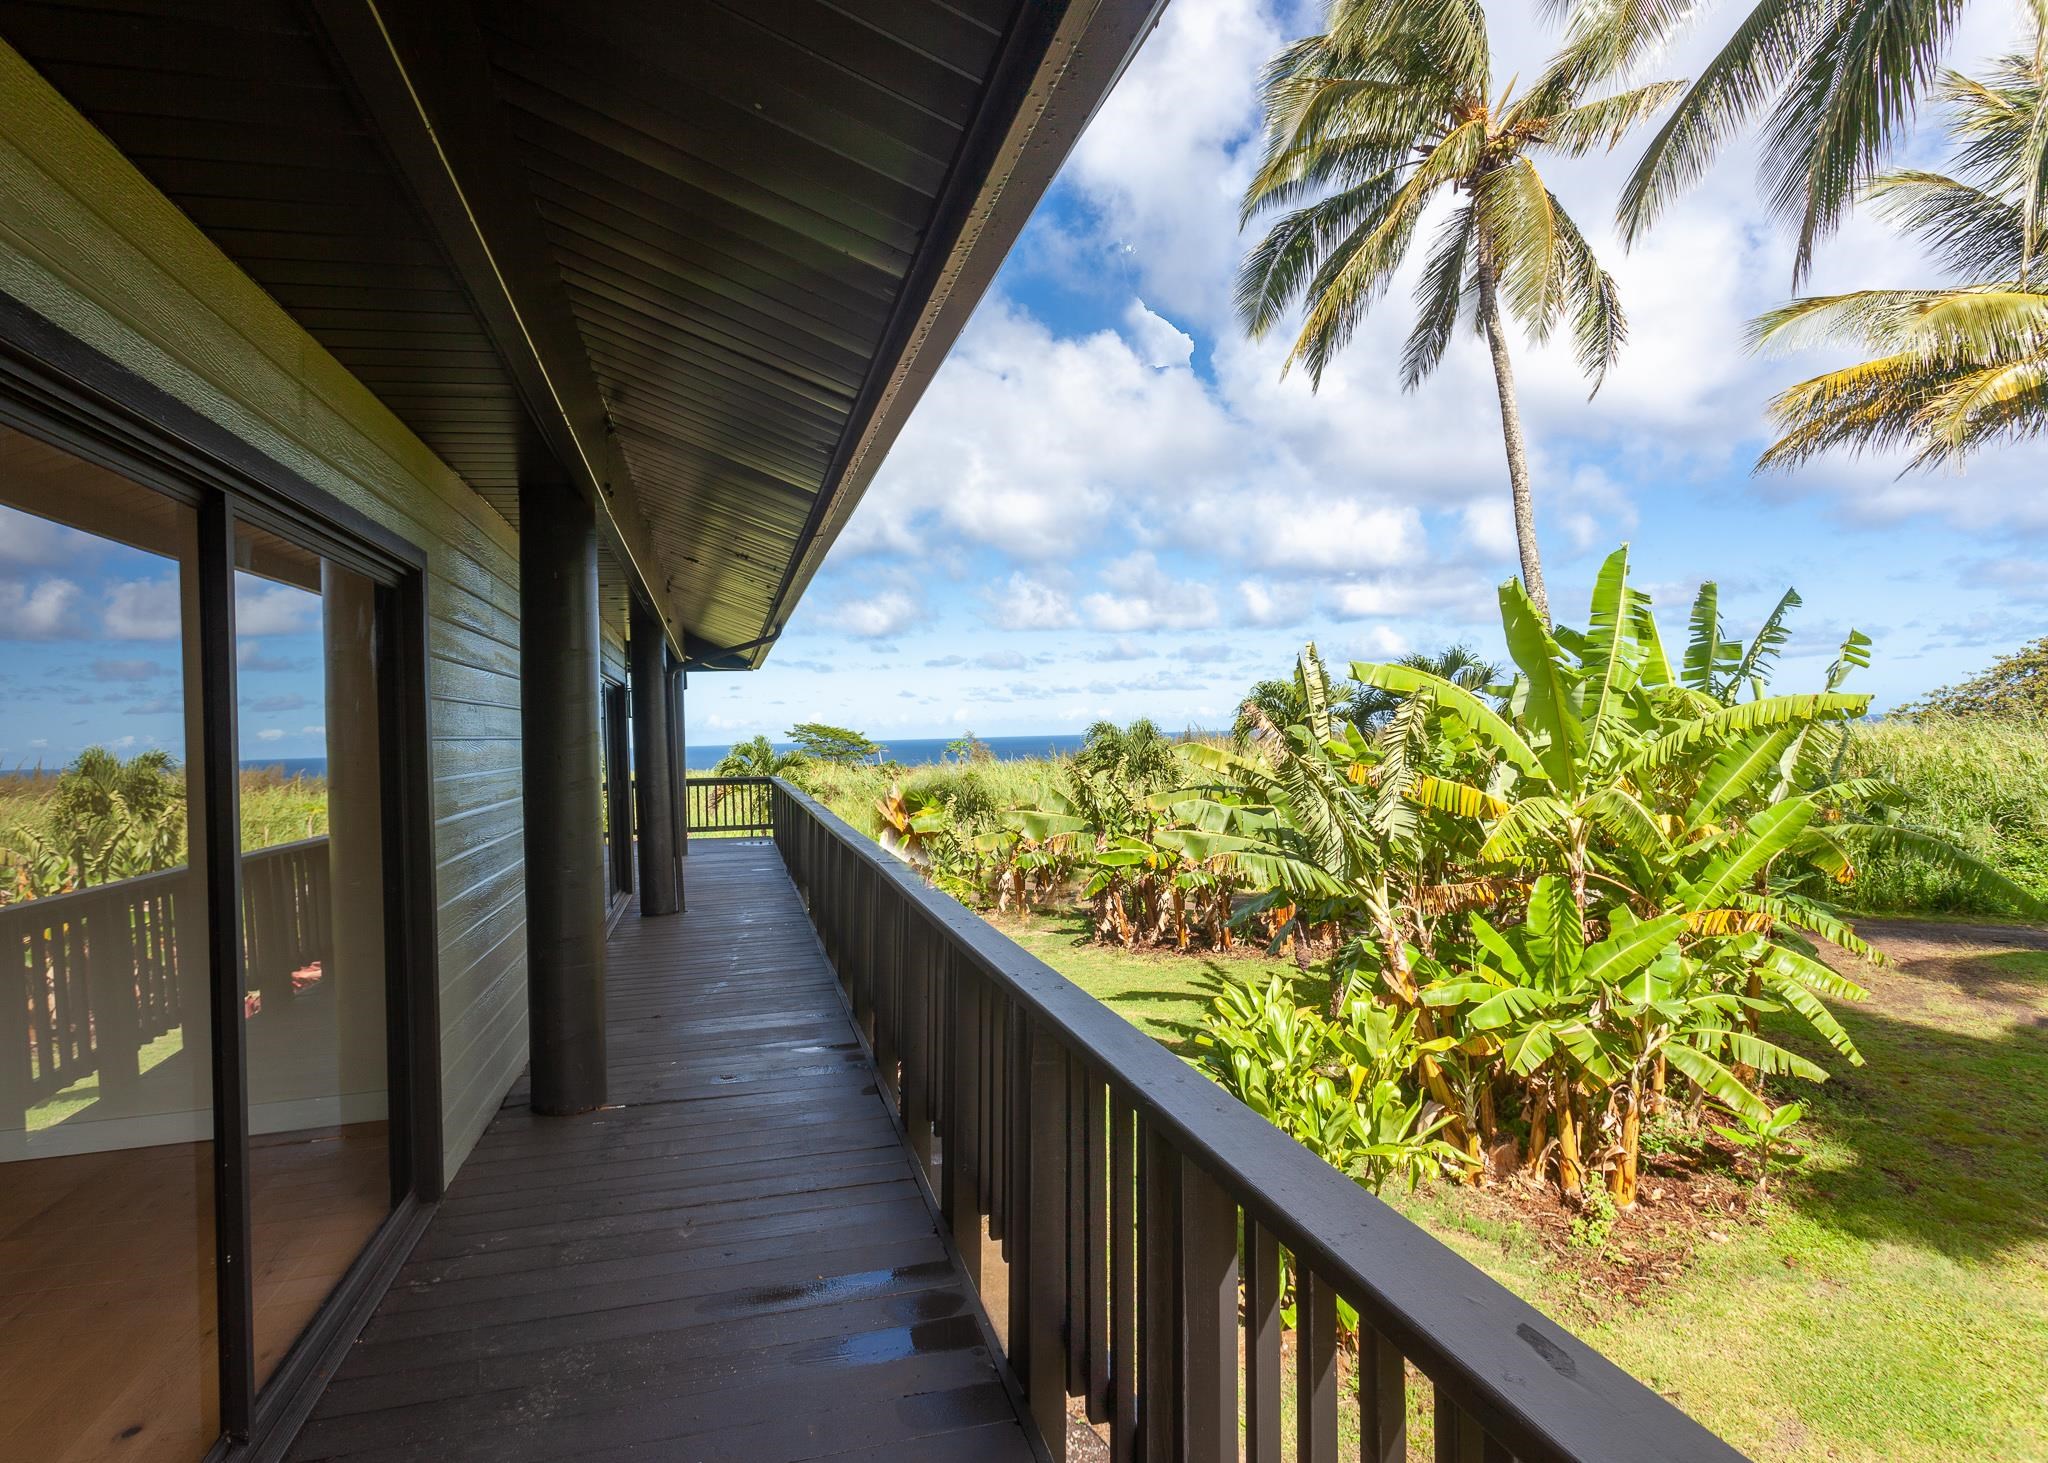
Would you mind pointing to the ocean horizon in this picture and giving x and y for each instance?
(921, 751)
(906, 751)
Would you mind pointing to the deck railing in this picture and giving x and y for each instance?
(729, 807)
(1130, 1196)
(89, 978)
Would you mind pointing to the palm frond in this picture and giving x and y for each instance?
(1355, 274)
(1741, 78)
(1972, 234)
(1276, 272)
(1519, 220)
(1599, 125)
(1853, 94)
(1443, 298)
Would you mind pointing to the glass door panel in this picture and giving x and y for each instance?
(108, 1337)
(313, 928)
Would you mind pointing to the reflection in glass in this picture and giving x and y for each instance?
(313, 922)
(107, 1304)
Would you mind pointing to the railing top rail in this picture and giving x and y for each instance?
(57, 906)
(1531, 1383)
(296, 845)
(716, 778)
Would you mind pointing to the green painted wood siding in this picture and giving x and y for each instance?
(86, 241)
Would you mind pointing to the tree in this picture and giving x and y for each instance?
(823, 742)
(2015, 685)
(967, 747)
(1842, 79)
(1953, 369)
(1282, 702)
(1366, 125)
(1139, 756)
(757, 757)
(108, 820)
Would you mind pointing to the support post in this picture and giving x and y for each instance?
(653, 793)
(679, 680)
(565, 856)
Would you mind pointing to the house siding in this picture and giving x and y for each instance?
(87, 242)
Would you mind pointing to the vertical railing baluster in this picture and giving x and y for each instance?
(1017, 1178)
(917, 943)
(1460, 1439)
(1208, 1284)
(1045, 1329)
(1123, 1280)
(1315, 1368)
(1095, 1246)
(996, 1143)
(1261, 1343)
(1159, 1303)
(1382, 1399)
(1074, 1205)
(886, 915)
(963, 1153)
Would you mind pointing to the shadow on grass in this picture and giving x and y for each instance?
(2016, 978)
(1939, 1141)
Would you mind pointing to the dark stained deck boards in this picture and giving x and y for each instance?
(735, 1261)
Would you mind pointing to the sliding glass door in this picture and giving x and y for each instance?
(107, 1224)
(203, 1015)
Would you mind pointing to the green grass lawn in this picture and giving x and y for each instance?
(1890, 1302)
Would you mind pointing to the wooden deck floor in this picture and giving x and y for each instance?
(735, 1261)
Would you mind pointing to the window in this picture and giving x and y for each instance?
(210, 985)
(107, 1298)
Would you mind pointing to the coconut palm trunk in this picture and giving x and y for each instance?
(1511, 431)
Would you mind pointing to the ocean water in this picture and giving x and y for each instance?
(924, 751)
(910, 751)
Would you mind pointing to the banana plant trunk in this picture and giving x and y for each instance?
(1511, 432)
(1622, 1181)
(1570, 1176)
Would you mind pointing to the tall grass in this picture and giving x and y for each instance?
(974, 792)
(275, 808)
(1983, 782)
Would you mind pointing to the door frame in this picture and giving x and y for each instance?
(58, 388)
(615, 714)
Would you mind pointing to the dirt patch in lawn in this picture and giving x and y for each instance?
(1981, 966)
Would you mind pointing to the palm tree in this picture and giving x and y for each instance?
(1366, 125)
(1842, 79)
(1270, 707)
(758, 757)
(1952, 369)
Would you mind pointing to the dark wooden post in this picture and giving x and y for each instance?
(565, 856)
(653, 793)
(113, 987)
(679, 682)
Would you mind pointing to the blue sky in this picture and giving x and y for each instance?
(90, 652)
(1111, 504)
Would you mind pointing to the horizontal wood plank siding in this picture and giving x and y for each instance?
(90, 244)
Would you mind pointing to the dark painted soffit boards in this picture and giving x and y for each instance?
(704, 256)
